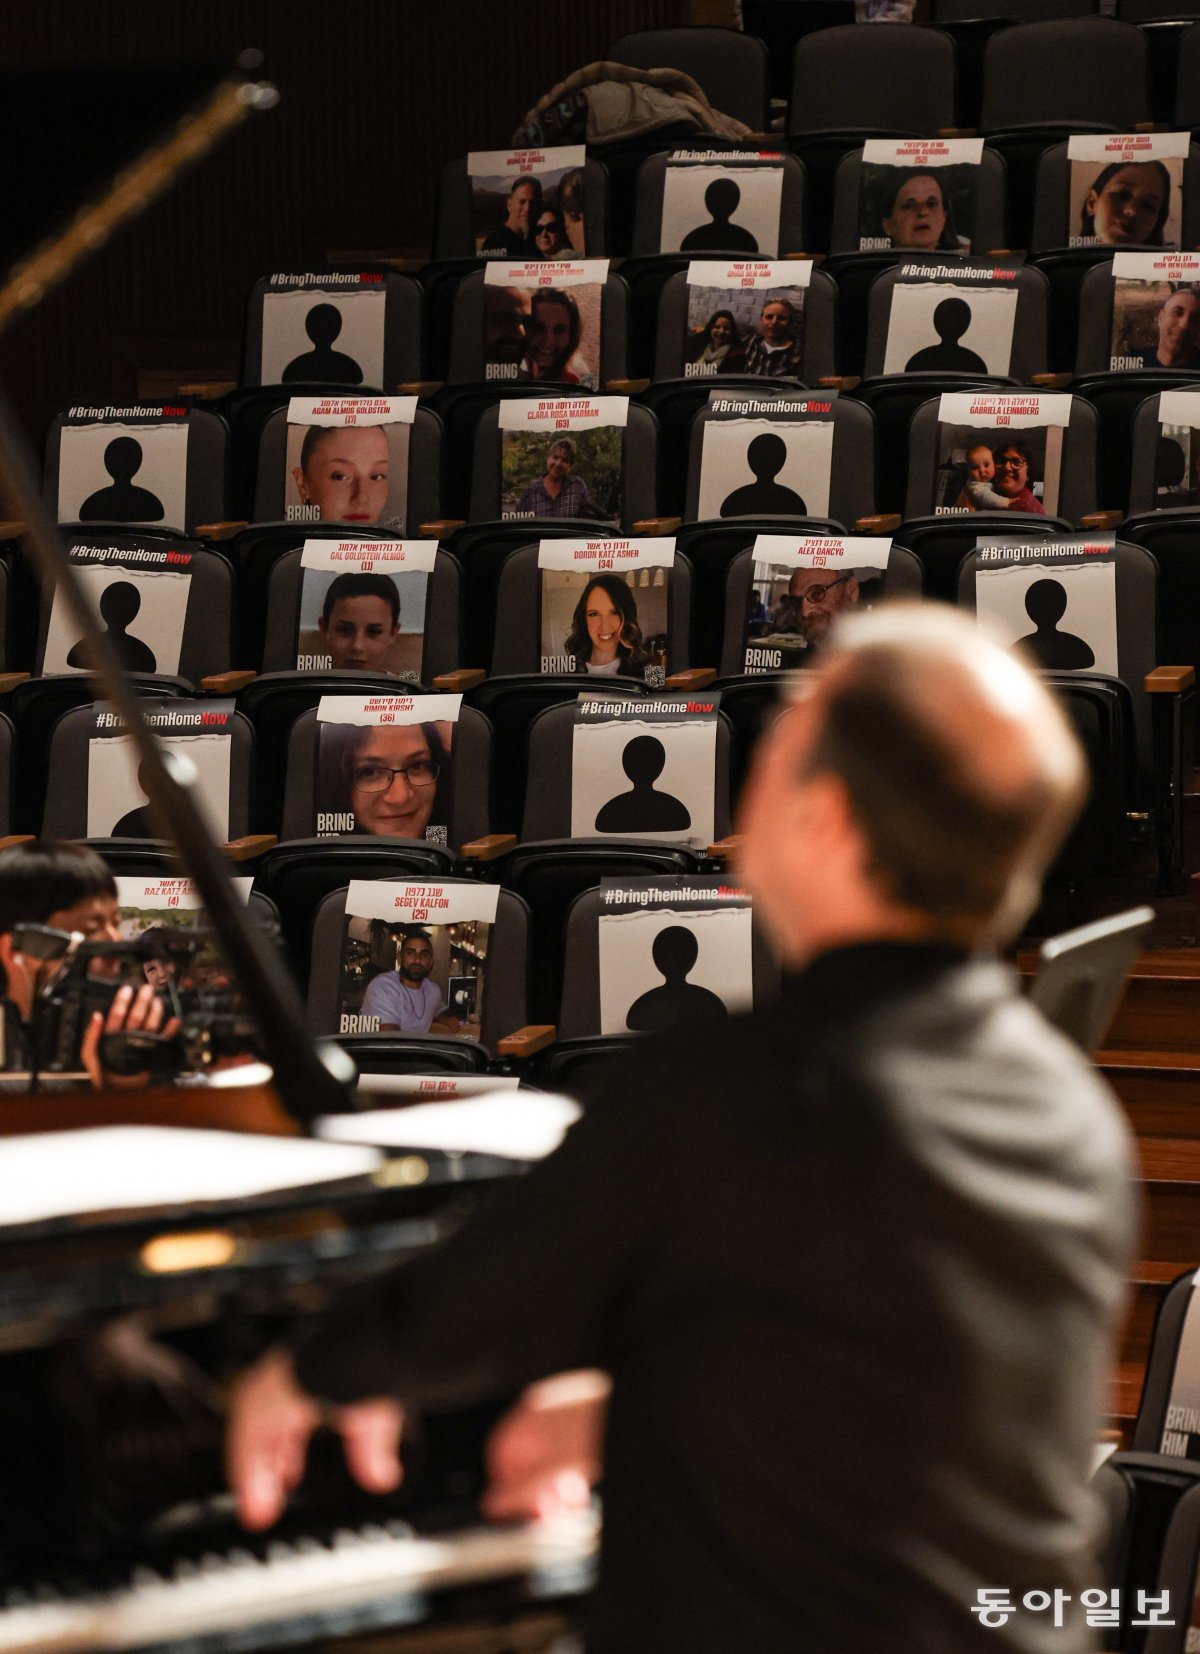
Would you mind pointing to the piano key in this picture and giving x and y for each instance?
(378, 1574)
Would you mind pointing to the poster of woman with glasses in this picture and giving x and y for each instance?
(385, 765)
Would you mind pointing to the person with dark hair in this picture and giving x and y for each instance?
(1127, 205)
(570, 205)
(558, 493)
(514, 237)
(826, 1434)
(393, 778)
(1177, 326)
(343, 471)
(714, 348)
(65, 887)
(360, 621)
(917, 214)
(552, 340)
(550, 235)
(605, 639)
(406, 1000)
(162, 968)
(776, 350)
(1014, 461)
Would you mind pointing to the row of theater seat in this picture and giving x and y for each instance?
(934, 77)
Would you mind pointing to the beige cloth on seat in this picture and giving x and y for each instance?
(623, 102)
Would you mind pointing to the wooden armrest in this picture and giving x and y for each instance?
(725, 847)
(1052, 381)
(535, 1036)
(627, 387)
(845, 382)
(1148, 126)
(419, 387)
(489, 848)
(10, 680)
(442, 528)
(696, 677)
(957, 132)
(457, 683)
(658, 525)
(1169, 680)
(218, 531)
(207, 390)
(15, 838)
(252, 845)
(11, 528)
(226, 683)
(886, 522)
(1099, 521)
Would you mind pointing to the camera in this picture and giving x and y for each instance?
(183, 967)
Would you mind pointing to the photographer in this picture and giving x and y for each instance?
(65, 887)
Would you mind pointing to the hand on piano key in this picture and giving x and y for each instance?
(271, 1421)
(544, 1456)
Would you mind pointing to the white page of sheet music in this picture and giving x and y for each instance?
(120, 1168)
(526, 1125)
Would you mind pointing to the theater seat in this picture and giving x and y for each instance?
(553, 863)
(515, 691)
(505, 973)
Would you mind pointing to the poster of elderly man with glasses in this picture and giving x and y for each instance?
(799, 585)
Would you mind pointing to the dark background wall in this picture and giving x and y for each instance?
(376, 96)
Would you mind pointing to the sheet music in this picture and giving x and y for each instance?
(525, 1125)
(120, 1168)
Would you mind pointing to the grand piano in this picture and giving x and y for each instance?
(119, 1333)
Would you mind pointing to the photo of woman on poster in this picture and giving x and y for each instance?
(552, 336)
(343, 471)
(914, 212)
(715, 347)
(395, 779)
(1127, 205)
(550, 235)
(998, 478)
(605, 640)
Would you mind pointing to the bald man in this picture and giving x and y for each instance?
(852, 1264)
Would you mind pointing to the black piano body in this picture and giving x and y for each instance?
(118, 1339)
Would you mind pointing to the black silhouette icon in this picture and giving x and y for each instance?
(119, 605)
(674, 953)
(1170, 466)
(721, 200)
(1046, 604)
(136, 823)
(764, 496)
(951, 320)
(323, 324)
(642, 810)
(122, 502)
